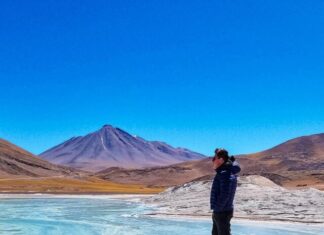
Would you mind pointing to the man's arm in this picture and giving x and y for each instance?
(213, 194)
(236, 168)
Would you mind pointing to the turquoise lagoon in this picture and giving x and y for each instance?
(92, 215)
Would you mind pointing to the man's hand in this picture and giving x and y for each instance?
(217, 162)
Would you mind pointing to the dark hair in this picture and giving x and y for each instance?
(222, 153)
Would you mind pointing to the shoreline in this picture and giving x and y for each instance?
(155, 212)
(235, 220)
(73, 195)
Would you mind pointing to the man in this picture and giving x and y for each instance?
(223, 191)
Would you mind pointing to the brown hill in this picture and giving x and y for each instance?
(159, 176)
(22, 172)
(16, 162)
(297, 162)
(303, 153)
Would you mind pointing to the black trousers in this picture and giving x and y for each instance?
(222, 223)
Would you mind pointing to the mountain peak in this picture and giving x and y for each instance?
(107, 126)
(113, 147)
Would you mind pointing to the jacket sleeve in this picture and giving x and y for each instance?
(213, 194)
(236, 168)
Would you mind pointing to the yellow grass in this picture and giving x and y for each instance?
(72, 186)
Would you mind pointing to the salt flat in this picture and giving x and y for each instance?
(257, 198)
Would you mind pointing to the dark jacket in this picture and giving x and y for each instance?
(224, 187)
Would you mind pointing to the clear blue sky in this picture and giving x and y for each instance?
(244, 75)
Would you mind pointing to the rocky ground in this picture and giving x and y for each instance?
(257, 198)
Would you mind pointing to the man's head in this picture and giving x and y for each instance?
(221, 156)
